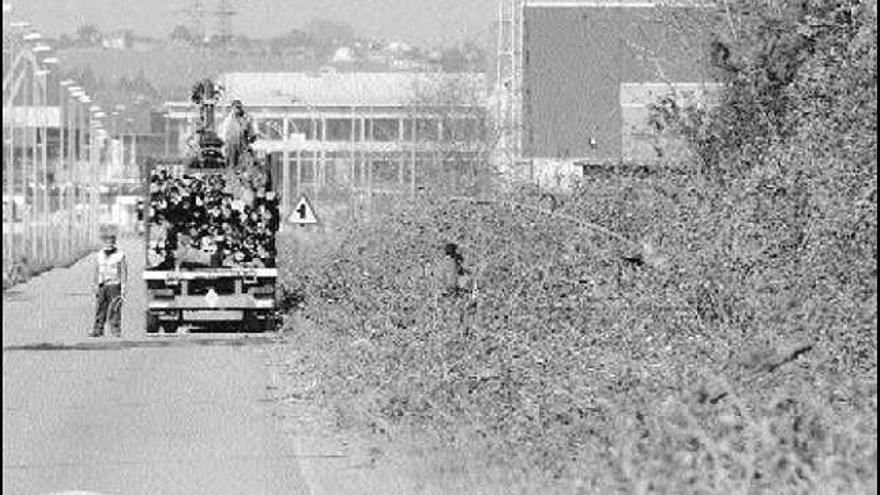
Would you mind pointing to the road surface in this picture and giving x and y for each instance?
(168, 415)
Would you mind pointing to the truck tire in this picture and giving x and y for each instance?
(171, 326)
(250, 322)
(258, 322)
(152, 322)
(269, 323)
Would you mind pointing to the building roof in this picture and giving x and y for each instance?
(614, 4)
(349, 88)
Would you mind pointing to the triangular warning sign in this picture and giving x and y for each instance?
(303, 213)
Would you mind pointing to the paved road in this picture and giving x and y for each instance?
(152, 415)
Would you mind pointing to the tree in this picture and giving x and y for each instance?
(86, 77)
(456, 133)
(181, 34)
(453, 60)
(88, 34)
(782, 68)
(327, 32)
(789, 155)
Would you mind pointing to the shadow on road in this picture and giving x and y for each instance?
(116, 345)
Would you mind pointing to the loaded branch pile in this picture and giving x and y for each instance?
(221, 219)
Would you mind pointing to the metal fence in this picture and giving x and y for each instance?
(54, 149)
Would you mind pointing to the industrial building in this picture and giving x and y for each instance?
(335, 133)
(575, 80)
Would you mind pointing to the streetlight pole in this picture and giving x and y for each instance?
(18, 125)
(66, 165)
(33, 152)
(73, 156)
(86, 181)
(94, 200)
(81, 160)
(9, 241)
(10, 183)
(40, 113)
(95, 162)
(44, 159)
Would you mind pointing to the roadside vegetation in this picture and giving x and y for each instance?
(712, 331)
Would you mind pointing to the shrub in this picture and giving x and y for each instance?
(707, 332)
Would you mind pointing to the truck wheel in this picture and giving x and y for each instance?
(152, 322)
(249, 323)
(258, 321)
(269, 323)
(171, 326)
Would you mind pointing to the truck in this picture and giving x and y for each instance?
(209, 235)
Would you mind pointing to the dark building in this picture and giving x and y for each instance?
(583, 60)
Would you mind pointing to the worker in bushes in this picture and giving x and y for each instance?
(454, 276)
(455, 287)
(111, 277)
(238, 134)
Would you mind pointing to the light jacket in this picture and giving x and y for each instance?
(237, 132)
(112, 268)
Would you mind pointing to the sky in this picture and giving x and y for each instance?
(421, 21)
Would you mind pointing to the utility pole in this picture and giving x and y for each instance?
(224, 13)
(32, 127)
(66, 165)
(44, 158)
(508, 78)
(197, 17)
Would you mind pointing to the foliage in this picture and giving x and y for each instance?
(783, 66)
(88, 34)
(182, 34)
(558, 341)
(731, 347)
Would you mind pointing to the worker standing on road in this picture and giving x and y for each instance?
(238, 134)
(111, 277)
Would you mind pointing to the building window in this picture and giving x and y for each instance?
(463, 129)
(271, 129)
(340, 130)
(307, 169)
(426, 129)
(309, 129)
(385, 130)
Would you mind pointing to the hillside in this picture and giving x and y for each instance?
(170, 69)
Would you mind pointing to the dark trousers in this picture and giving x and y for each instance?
(109, 309)
(235, 154)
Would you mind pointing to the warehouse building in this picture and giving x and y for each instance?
(589, 72)
(334, 133)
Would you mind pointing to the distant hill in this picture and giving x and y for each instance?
(172, 69)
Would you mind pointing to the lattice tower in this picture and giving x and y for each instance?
(508, 78)
(224, 13)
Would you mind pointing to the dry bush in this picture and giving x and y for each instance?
(728, 347)
(559, 345)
